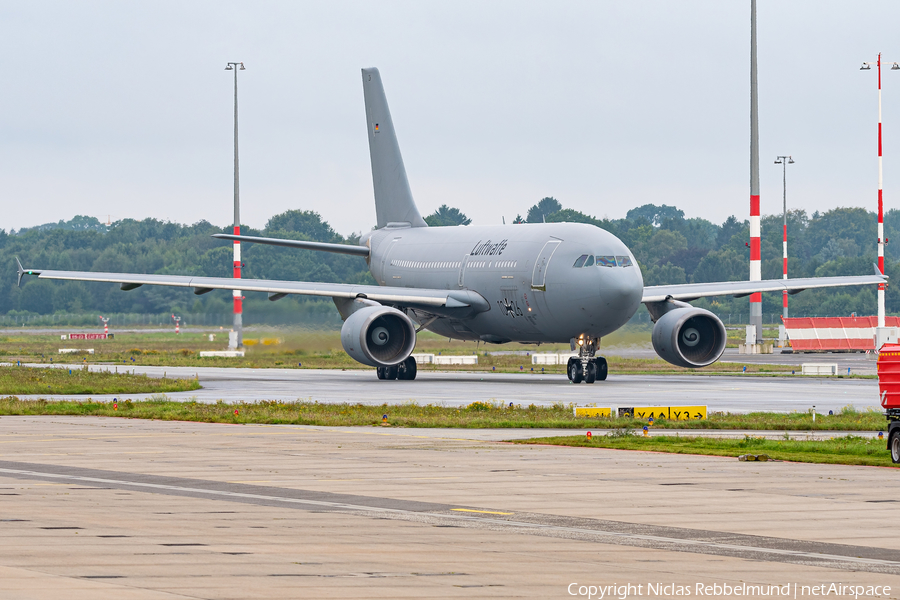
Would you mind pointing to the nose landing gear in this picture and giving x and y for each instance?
(587, 366)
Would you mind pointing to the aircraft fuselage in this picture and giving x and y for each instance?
(528, 274)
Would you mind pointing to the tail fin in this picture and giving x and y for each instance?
(393, 199)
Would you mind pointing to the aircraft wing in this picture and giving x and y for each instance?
(276, 289)
(692, 291)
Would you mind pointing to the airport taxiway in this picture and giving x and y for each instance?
(114, 508)
(456, 388)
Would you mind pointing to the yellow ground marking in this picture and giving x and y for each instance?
(487, 512)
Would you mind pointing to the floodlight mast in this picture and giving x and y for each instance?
(881, 312)
(784, 161)
(755, 262)
(238, 323)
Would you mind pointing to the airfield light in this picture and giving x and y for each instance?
(895, 67)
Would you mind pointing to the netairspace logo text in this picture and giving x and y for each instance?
(790, 590)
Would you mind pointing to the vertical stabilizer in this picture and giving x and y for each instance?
(393, 199)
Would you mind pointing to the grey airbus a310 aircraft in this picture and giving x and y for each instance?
(532, 283)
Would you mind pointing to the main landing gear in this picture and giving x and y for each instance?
(405, 371)
(586, 366)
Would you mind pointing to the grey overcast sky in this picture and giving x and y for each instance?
(124, 109)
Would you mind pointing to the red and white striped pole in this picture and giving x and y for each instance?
(880, 207)
(755, 264)
(237, 294)
(105, 325)
(784, 294)
(784, 161)
(238, 325)
(894, 67)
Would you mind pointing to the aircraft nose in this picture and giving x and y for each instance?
(622, 292)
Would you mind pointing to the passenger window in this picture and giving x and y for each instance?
(579, 262)
(590, 261)
(606, 261)
(624, 261)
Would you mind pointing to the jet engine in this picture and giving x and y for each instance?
(378, 336)
(689, 337)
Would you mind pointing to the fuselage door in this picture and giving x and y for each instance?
(539, 277)
(462, 270)
(386, 259)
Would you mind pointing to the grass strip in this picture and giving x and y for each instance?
(78, 380)
(847, 450)
(478, 415)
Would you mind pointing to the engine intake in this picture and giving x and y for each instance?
(689, 337)
(378, 336)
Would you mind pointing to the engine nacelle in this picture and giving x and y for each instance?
(378, 336)
(689, 337)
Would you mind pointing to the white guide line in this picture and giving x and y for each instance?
(499, 522)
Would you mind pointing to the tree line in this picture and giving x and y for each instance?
(669, 248)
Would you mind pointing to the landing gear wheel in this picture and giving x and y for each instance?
(602, 368)
(894, 446)
(389, 373)
(576, 371)
(590, 373)
(406, 371)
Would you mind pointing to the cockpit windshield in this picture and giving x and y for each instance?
(587, 260)
(579, 262)
(606, 261)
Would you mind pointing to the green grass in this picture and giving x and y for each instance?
(322, 350)
(26, 380)
(849, 450)
(475, 415)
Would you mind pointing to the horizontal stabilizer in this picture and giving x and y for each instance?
(301, 244)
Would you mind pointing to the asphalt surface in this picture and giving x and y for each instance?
(117, 508)
(732, 394)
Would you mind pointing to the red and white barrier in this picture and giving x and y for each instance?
(824, 334)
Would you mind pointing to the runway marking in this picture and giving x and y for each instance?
(607, 536)
(253, 481)
(373, 479)
(487, 512)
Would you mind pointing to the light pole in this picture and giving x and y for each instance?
(879, 332)
(784, 161)
(755, 262)
(238, 298)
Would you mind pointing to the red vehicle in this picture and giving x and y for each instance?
(889, 394)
